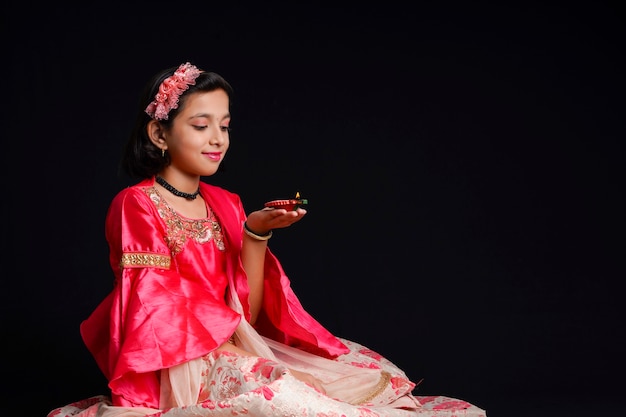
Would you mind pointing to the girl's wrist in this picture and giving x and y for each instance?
(256, 235)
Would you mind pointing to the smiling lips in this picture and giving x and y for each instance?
(214, 156)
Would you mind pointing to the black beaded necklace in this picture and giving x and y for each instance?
(171, 189)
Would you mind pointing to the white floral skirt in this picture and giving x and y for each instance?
(360, 383)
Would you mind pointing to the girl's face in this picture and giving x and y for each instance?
(199, 136)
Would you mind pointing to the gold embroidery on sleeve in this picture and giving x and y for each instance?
(141, 260)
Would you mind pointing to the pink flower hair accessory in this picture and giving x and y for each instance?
(170, 90)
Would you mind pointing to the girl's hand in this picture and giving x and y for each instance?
(262, 221)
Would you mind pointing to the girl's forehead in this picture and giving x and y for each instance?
(214, 102)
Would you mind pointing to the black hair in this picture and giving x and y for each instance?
(140, 157)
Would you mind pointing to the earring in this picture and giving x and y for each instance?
(163, 153)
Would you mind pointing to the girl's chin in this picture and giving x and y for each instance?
(210, 172)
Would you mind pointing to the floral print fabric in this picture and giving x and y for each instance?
(250, 386)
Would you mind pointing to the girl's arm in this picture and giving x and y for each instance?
(256, 233)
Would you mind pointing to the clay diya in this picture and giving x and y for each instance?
(290, 204)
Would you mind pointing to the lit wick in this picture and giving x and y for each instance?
(299, 200)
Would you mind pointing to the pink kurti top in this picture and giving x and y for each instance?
(168, 302)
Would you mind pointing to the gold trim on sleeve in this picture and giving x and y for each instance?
(385, 377)
(142, 260)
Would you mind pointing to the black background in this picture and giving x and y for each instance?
(463, 164)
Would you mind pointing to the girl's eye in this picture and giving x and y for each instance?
(199, 127)
(225, 129)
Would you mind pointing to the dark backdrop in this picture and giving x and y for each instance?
(463, 165)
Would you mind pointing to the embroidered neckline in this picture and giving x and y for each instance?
(180, 228)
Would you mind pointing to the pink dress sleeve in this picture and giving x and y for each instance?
(284, 319)
(282, 316)
(155, 317)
